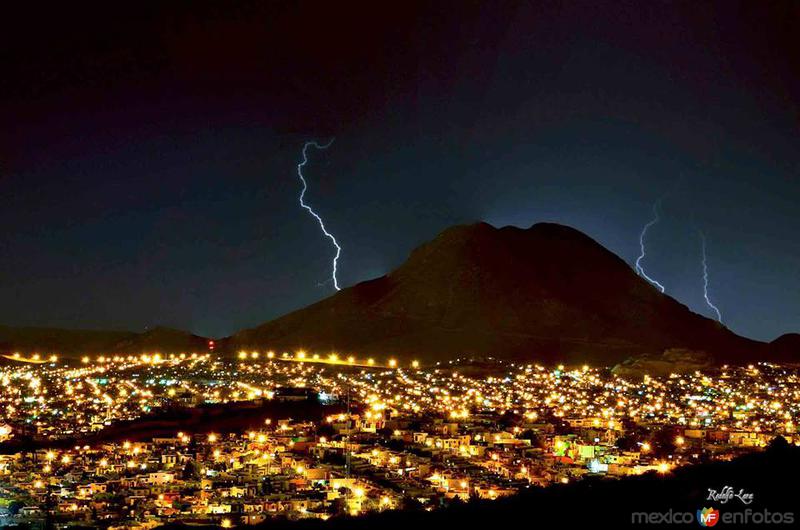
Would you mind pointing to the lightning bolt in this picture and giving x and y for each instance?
(705, 278)
(303, 204)
(639, 267)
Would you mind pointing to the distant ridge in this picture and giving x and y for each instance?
(75, 342)
(548, 292)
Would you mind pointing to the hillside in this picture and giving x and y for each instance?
(547, 292)
(55, 340)
(162, 339)
(76, 342)
(785, 347)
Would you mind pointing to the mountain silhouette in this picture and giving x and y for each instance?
(785, 347)
(547, 293)
(72, 343)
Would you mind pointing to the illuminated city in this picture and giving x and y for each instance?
(302, 265)
(414, 434)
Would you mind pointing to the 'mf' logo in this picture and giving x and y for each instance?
(707, 516)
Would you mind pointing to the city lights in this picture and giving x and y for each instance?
(460, 448)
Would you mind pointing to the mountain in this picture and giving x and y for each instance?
(162, 339)
(786, 347)
(75, 342)
(55, 340)
(548, 292)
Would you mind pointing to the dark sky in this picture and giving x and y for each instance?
(147, 154)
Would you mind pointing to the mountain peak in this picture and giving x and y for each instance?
(482, 228)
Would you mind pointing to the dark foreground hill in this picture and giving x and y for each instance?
(548, 292)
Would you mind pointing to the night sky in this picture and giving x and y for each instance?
(147, 155)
